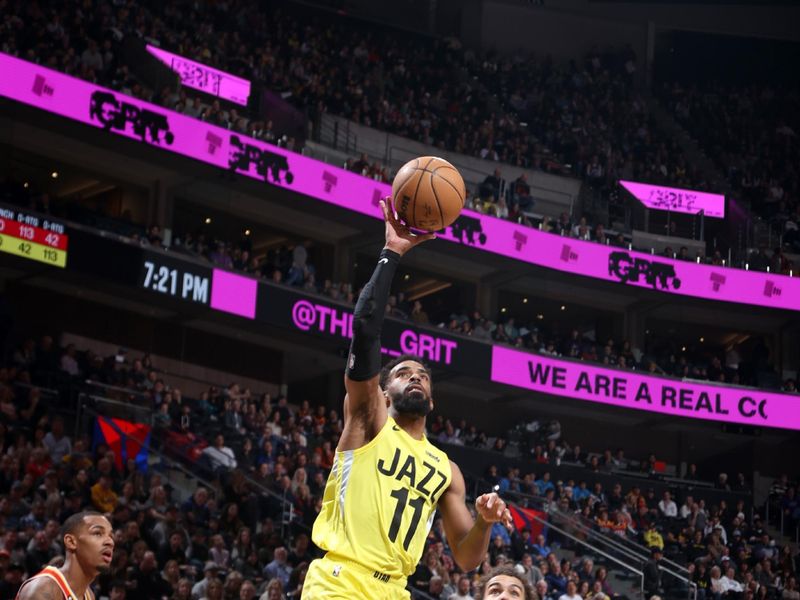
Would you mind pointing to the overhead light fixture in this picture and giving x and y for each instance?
(26, 185)
(502, 310)
(563, 307)
(524, 300)
(683, 348)
(406, 277)
(247, 232)
(540, 316)
(54, 174)
(208, 220)
(702, 339)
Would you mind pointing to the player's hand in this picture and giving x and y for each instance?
(399, 237)
(492, 509)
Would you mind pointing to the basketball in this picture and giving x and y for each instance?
(428, 193)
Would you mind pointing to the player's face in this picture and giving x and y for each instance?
(409, 389)
(94, 544)
(504, 587)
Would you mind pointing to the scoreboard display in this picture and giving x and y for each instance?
(33, 237)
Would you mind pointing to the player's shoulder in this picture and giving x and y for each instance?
(41, 588)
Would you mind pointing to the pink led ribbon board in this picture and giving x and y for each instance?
(173, 132)
(627, 389)
(204, 78)
(671, 199)
(235, 294)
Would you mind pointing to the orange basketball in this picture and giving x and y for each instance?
(428, 193)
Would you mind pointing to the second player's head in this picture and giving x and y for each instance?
(406, 381)
(504, 582)
(88, 539)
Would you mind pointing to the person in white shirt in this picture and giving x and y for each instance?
(462, 590)
(69, 364)
(727, 583)
(667, 506)
(219, 455)
(572, 592)
(686, 508)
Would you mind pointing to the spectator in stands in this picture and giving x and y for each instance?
(279, 568)
(219, 456)
(542, 590)
(103, 496)
(489, 191)
(652, 574)
(571, 593)
(462, 590)
(667, 507)
(522, 200)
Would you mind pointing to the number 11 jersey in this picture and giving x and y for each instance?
(380, 500)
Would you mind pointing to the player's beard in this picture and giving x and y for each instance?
(412, 402)
(103, 569)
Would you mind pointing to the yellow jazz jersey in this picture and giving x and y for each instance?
(380, 500)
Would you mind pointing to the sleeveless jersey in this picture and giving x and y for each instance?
(380, 500)
(61, 581)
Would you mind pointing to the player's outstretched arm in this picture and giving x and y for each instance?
(41, 588)
(469, 539)
(364, 397)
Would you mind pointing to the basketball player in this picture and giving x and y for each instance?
(89, 548)
(387, 479)
(504, 582)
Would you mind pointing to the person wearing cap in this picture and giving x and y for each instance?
(209, 572)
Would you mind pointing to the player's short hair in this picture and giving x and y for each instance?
(510, 571)
(387, 368)
(74, 522)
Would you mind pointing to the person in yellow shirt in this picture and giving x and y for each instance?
(387, 479)
(104, 498)
(652, 538)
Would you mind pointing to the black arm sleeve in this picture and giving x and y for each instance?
(364, 360)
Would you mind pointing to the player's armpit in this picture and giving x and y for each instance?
(41, 588)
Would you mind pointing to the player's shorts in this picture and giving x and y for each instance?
(330, 578)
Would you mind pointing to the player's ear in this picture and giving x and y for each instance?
(70, 542)
(386, 397)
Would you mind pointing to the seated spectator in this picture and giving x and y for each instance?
(652, 538)
(667, 507)
(489, 190)
(219, 455)
(571, 592)
(279, 568)
(210, 571)
(522, 200)
(104, 498)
